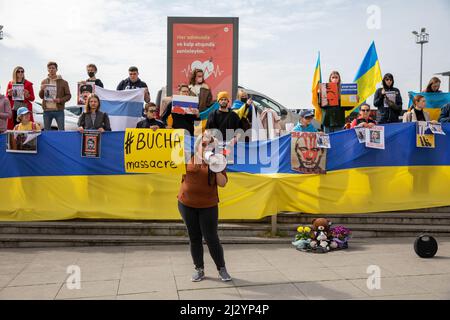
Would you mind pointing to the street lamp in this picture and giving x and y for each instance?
(421, 38)
(1, 32)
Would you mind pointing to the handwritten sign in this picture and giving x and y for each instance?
(154, 151)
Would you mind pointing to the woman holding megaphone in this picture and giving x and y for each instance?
(198, 205)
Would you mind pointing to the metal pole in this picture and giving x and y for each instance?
(421, 64)
(274, 225)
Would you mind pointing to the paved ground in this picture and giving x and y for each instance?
(259, 272)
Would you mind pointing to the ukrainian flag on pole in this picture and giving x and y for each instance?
(368, 76)
(317, 80)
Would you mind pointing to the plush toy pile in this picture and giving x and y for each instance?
(322, 237)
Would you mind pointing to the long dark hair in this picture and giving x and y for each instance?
(432, 81)
(388, 76)
(194, 75)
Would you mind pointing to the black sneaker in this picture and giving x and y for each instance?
(198, 275)
(224, 275)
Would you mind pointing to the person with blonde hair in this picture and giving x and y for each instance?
(18, 77)
(93, 118)
(416, 112)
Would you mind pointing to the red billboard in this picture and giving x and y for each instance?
(210, 44)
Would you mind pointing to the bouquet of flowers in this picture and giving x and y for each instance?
(341, 235)
(302, 238)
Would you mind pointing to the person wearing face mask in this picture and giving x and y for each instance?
(224, 120)
(198, 205)
(333, 118)
(92, 71)
(388, 100)
(198, 87)
(243, 106)
(180, 121)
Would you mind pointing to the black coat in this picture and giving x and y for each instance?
(101, 121)
(390, 114)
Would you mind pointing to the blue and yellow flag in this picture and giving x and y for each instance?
(317, 80)
(368, 75)
(435, 101)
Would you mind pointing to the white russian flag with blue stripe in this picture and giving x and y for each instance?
(124, 108)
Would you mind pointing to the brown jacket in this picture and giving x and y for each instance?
(62, 92)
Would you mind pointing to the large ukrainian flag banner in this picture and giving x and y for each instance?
(435, 101)
(317, 80)
(368, 75)
(58, 184)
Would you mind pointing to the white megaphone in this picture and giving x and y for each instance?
(216, 161)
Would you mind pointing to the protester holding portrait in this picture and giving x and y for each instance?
(18, 78)
(177, 120)
(388, 100)
(333, 117)
(54, 108)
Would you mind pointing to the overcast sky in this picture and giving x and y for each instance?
(278, 40)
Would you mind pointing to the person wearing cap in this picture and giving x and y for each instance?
(85, 91)
(363, 120)
(25, 124)
(224, 120)
(180, 121)
(388, 100)
(304, 123)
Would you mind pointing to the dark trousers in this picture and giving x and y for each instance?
(202, 223)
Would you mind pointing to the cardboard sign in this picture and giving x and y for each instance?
(159, 151)
(349, 94)
(306, 156)
(329, 95)
(184, 104)
(90, 144)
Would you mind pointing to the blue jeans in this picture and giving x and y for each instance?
(57, 115)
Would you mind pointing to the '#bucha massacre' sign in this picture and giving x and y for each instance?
(159, 151)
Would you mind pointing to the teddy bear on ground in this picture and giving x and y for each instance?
(320, 236)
